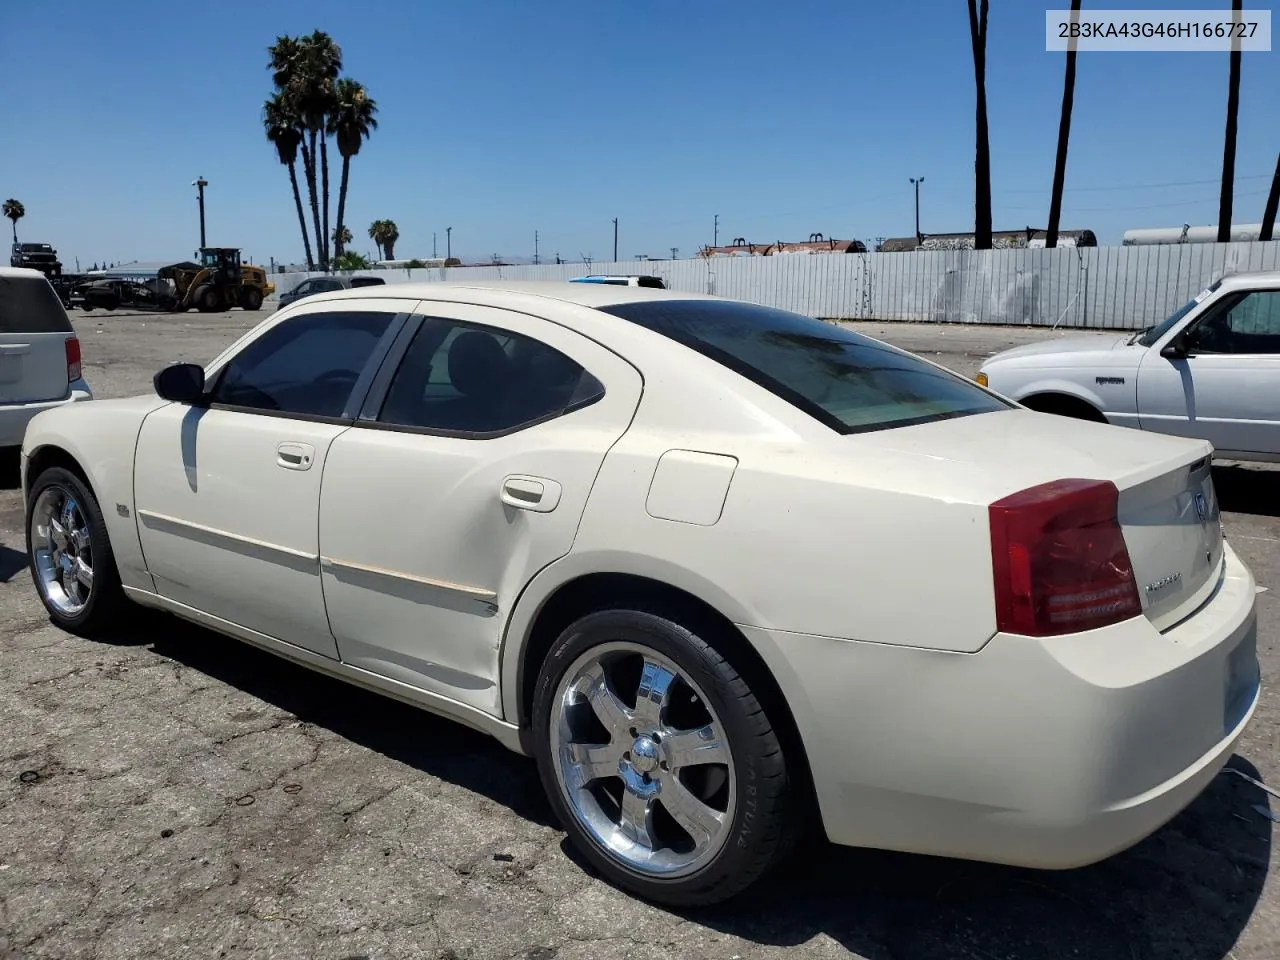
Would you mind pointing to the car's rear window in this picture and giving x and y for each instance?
(851, 383)
(29, 305)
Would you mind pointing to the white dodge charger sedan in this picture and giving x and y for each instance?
(1211, 371)
(721, 569)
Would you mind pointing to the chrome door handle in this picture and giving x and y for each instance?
(530, 493)
(295, 456)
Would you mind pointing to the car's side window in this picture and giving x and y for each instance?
(306, 365)
(464, 378)
(1248, 324)
(305, 287)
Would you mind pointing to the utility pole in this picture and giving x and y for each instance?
(448, 243)
(535, 246)
(674, 251)
(715, 236)
(917, 181)
(200, 183)
(615, 239)
(433, 245)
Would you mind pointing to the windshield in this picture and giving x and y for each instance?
(1152, 334)
(849, 382)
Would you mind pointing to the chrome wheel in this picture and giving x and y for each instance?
(62, 550)
(642, 760)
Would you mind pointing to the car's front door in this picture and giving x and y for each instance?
(467, 474)
(1227, 388)
(227, 491)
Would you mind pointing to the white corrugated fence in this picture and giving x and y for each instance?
(1123, 288)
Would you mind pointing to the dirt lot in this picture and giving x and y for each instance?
(176, 794)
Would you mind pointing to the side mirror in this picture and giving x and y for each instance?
(180, 382)
(1175, 349)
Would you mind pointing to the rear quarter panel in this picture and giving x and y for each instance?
(101, 437)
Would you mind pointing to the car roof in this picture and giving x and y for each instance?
(514, 292)
(1252, 278)
(21, 273)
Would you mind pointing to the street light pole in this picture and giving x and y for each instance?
(200, 183)
(715, 233)
(448, 244)
(917, 181)
(615, 239)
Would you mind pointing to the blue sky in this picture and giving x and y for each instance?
(504, 117)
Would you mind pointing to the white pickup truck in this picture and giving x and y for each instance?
(1210, 371)
(39, 353)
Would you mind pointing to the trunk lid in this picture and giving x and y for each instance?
(1168, 509)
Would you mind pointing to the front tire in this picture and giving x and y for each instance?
(69, 554)
(659, 760)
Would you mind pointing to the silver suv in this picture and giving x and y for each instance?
(39, 352)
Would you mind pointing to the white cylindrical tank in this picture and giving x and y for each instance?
(1189, 234)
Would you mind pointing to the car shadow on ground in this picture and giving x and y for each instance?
(1185, 893)
(1251, 488)
(12, 562)
(10, 468)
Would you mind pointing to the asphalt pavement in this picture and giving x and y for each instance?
(177, 794)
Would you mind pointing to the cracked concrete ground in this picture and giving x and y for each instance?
(177, 794)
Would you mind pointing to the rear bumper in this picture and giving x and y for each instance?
(14, 417)
(1050, 753)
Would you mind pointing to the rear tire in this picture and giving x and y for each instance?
(659, 760)
(251, 298)
(67, 545)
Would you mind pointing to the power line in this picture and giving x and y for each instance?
(1135, 186)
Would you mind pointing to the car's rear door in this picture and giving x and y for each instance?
(467, 474)
(34, 330)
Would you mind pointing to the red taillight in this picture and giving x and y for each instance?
(73, 359)
(1060, 560)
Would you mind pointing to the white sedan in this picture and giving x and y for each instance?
(723, 570)
(1210, 371)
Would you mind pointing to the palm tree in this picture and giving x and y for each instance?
(390, 234)
(15, 211)
(1273, 202)
(982, 148)
(1229, 143)
(282, 128)
(305, 71)
(385, 233)
(1064, 135)
(351, 122)
(318, 100)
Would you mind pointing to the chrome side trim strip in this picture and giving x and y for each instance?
(478, 593)
(226, 535)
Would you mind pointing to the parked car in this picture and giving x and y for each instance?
(1211, 371)
(36, 256)
(114, 292)
(722, 569)
(329, 284)
(624, 281)
(40, 363)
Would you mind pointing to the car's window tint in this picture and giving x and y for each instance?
(847, 381)
(306, 365)
(30, 305)
(470, 379)
(1254, 323)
